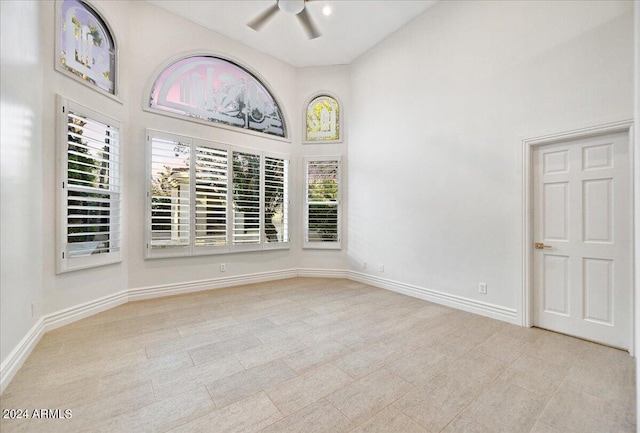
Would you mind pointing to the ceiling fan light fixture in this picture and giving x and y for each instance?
(292, 7)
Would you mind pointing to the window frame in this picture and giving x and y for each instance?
(192, 249)
(332, 245)
(65, 263)
(96, 10)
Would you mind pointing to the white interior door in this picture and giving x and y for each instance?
(582, 228)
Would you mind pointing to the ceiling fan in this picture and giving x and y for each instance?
(291, 7)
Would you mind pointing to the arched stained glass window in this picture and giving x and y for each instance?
(323, 120)
(87, 49)
(216, 90)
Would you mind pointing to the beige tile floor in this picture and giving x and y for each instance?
(316, 355)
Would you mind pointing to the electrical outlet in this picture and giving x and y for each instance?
(33, 309)
(381, 267)
(482, 288)
(364, 265)
(223, 267)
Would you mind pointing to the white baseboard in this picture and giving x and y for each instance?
(323, 273)
(486, 309)
(459, 302)
(81, 311)
(48, 322)
(16, 358)
(20, 353)
(209, 284)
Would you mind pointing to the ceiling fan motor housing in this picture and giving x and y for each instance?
(292, 7)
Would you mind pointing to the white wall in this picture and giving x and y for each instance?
(29, 88)
(438, 114)
(74, 288)
(21, 171)
(310, 82)
(151, 54)
(143, 50)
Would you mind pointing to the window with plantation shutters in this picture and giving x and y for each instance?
(246, 198)
(322, 203)
(170, 193)
(205, 197)
(90, 182)
(276, 200)
(211, 173)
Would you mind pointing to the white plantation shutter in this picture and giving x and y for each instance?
(276, 198)
(322, 203)
(247, 202)
(211, 169)
(205, 198)
(90, 199)
(170, 193)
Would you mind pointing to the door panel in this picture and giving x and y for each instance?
(582, 216)
(556, 284)
(598, 290)
(597, 210)
(556, 216)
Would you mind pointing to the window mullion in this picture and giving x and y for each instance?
(230, 215)
(261, 226)
(192, 197)
(285, 201)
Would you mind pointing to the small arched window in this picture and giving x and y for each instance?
(87, 49)
(323, 120)
(217, 90)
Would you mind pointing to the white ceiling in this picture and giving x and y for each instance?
(354, 26)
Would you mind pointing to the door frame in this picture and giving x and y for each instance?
(528, 146)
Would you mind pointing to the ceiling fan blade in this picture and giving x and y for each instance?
(259, 21)
(308, 25)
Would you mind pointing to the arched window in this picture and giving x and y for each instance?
(216, 90)
(323, 120)
(86, 48)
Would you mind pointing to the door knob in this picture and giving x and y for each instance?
(541, 246)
